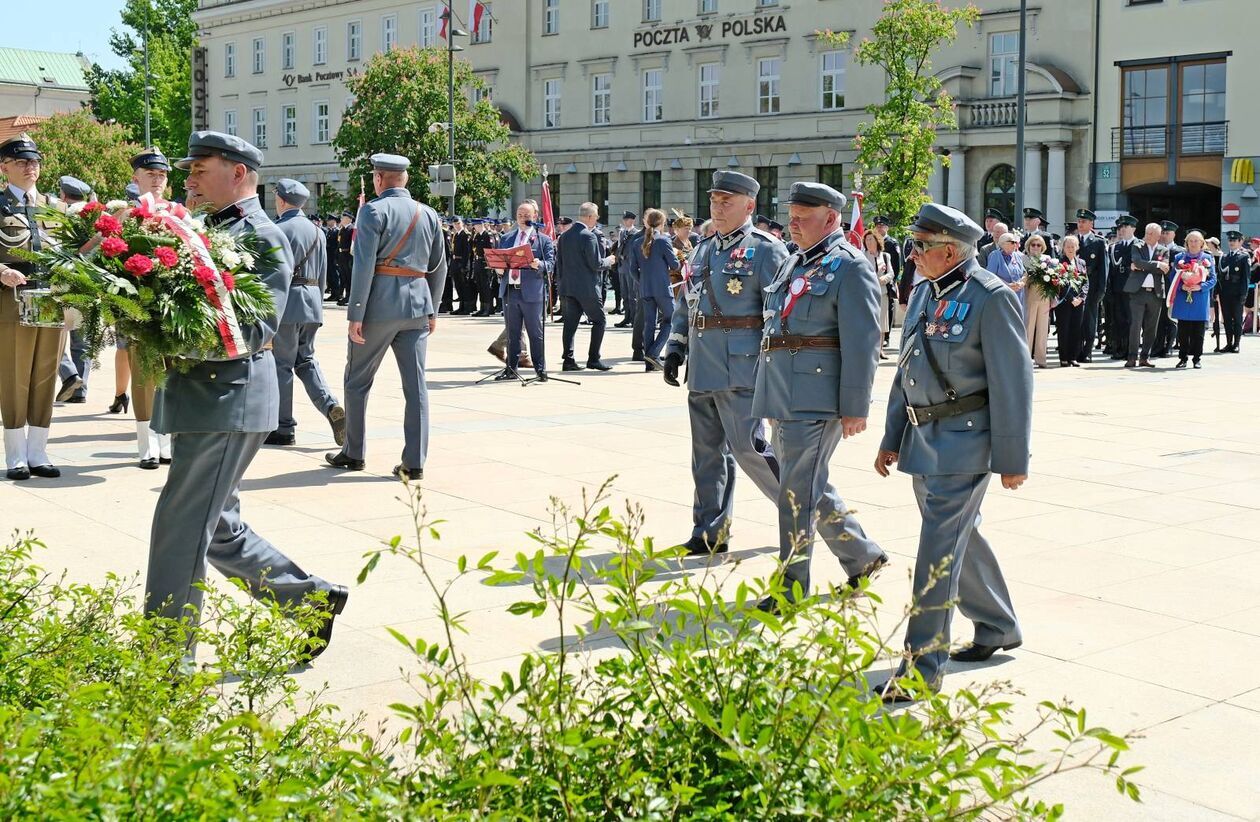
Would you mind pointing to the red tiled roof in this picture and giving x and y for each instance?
(13, 126)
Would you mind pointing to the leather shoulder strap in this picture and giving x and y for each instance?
(397, 249)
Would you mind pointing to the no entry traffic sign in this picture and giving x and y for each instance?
(1230, 213)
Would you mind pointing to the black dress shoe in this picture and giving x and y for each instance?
(276, 438)
(1180, 364)
(1197, 364)
(77, 398)
(542, 376)
(1075, 364)
(700, 547)
(164, 460)
(769, 605)
(1130, 364)
(337, 419)
(323, 634)
(976, 652)
(149, 464)
(891, 693)
(403, 472)
(570, 365)
(622, 324)
(45, 471)
(338, 459)
(68, 387)
(505, 374)
(653, 363)
(637, 357)
(19, 473)
(598, 365)
(873, 567)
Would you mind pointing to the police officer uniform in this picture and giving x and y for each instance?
(461, 253)
(75, 367)
(819, 356)
(1116, 303)
(960, 408)
(294, 344)
(1094, 252)
(399, 272)
(1234, 277)
(1030, 213)
(220, 411)
(345, 257)
(330, 255)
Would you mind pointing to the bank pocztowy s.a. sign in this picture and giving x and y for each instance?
(739, 28)
(292, 80)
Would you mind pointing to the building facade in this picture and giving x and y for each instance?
(37, 84)
(633, 103)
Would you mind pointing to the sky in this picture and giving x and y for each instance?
(80, 25)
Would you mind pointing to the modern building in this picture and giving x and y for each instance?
(37, 84)
(633, 103)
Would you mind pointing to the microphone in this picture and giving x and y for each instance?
(529, 223)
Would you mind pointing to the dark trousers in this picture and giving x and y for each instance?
(1165, 335)
(615, 279)
(1145, 309)
(517, 312)
(487, 286)
(334, 278)
(630, 299)
(1089, 324)
(1190, 338)
(572, 309)
(1232, 316)
(345, 265)
(1070, 321)
(655, 315)
(464, 290)
(1116, 311)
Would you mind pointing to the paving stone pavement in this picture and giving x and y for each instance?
(1133, 552)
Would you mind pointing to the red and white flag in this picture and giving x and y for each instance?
(856, 231)
(446, 21)
(548, 218)
(475, 10)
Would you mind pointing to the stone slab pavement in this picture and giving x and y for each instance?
(1133, 552)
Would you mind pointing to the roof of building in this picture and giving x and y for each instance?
(13, 126)
(45, 68)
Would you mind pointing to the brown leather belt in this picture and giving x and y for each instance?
(701, 322)
(794, 342)
(399, 271)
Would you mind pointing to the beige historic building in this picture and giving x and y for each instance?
(37, 84)
(632, 103)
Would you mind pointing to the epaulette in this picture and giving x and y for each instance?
(842, 245)
(991, 282)
(764, 235)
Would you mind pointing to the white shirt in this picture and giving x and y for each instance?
(1149, 282)
(21, 196)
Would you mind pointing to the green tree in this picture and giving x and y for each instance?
(96, 153)
(398, 96)
(895, 147)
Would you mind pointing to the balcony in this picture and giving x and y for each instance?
(1188, 139)
(998, 114)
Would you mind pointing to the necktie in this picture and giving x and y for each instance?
(36, 241)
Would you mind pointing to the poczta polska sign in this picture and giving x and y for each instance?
(741, 28)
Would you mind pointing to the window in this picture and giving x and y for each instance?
(601, 99)
(428, 27)
(321, 122)
(708, 6)
(762, 4)
(260, 55)
(1145, 114)
(551, 16)
(229, 122)
(768, 85)
(260, 127)
(229, 59)
(485, 30)
(704, 181)
(599, 195)
(288, 50)
(354, 40)
(832, 81)
(485, 92)
(389, 32)
(289, 124)
(551, 103)
(1003, 64)
(710, 77)
(653, 109)
(553, 186)
(999, 189)
(321, 45)
(649, 190)
(768, 196)
(832, 174)
(1203, 108)
(599, 14)
(651, 11)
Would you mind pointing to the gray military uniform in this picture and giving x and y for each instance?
(393, 233)
(818, 365)
(963, 334)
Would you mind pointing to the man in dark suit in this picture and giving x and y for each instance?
(580, 266)
(625, 236)
(1094, 252)
(1148, 278)
(524, 290)
(1116, 301)
(461, 267)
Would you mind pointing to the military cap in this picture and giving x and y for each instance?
(349, 214)
(217, 144)
(775, 225)
(1127, 219)
(132, 191)
(815, 194)
(457, 219)
(758, 219)
(565, 221)
(389, 162)
(1034, 212)
(1085, 214)
(939, 219)
(21, 147)
(629, 215)
(73, 187)
(151, 157)
(1234, 236)
(732, 182)
(882, 220)
(1168, 225)
(994, 213)
(292, 192)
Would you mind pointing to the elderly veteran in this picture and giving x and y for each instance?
(960, 408)
(819, 355)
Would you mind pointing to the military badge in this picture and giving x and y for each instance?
(734, 286)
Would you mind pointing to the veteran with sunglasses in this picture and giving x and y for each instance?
(960, 408)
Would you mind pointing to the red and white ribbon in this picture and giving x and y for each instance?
(795, 290)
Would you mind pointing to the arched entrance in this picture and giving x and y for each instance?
(999, 190)
(1189, 205)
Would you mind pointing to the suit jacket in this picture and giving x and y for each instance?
(985, 351)
(579, 266)
(1093, 252)
(381, 225)
(241, 394)
(1121, 258)
(345, 239)
(1142, 263)
(310, 262)
(652, 271)
(533, 281)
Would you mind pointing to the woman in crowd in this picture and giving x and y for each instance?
(652, 261)
(1007, 262)
(1036, 307)
(1194, 276)
(880, 260)
(1069, 314)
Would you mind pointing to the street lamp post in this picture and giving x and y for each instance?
(148, 137)
(1020, 115)
(451, 33)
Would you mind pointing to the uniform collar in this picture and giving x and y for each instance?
(235, 211)
(818, 249)
(728, 241)
(290, 214)
(396, 191)
(956, 277)
(21, 196)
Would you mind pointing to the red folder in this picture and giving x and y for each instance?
(504, 258)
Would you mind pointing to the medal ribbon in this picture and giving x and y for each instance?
(799, 286)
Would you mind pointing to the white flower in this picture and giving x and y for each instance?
(115, 205)
(75, 208)
(1045, 277)
(229, 258)
(247, 259)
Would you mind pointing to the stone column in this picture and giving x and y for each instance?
(936, 182)
(1056, 186)
(958, 180)
(1032, 180)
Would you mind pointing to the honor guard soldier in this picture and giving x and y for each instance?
(399, 272)
(1231, 287)
(1094, 252)
(222, 410)
(1116, 304)
(28, 367)
(294, 343)
(960, 408)
(74, 368)
(819, 355)
(1034, 222)
(345, 256)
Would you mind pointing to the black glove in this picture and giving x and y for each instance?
(672, 363)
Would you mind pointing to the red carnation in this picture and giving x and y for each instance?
(229, 282)
(166, 256)
(204, 274)
(113, 246)
(92, 207)
(141, 213)
(139, 265)
(109, 226)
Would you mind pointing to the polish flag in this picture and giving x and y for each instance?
(475, 10)
(549, 219)
(856, 231)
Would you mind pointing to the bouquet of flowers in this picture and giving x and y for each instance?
(1048, 276)
(1188, 276)
(158, 276)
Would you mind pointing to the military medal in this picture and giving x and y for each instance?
(956, 330)
(734, 286)
(933, 327)
(739, 263)
(795, 290)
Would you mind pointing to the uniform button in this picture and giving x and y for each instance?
(700, 334)
(970, 423)
(912, 381)
(818, 370)
(213, 375)
(767, 359)
(916, 352)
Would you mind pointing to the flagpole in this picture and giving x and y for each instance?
(450, 91)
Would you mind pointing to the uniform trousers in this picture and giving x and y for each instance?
(655, 314)
(633, 310)
(1116, 309)
(949, 505)
(345, 264)
(1145, 309)
(518, 313)
(1232, 315)
(1165, 334)
(1037, 324)
(724, 433)
(334, 278)
(75, 363)
(1070, 321)
(198, 518)
(1089, 324)
(28, 368)
(487, 285)
(409, 340)
(572, 309)
(294, 350)
(142, 391)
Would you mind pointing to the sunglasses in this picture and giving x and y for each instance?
(923, 245)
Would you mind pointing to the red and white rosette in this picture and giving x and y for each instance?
(795, 290)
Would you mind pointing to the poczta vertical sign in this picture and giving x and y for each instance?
(200, 94)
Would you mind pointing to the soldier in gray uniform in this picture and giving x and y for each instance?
(960, 408)
(219, 412)
(75, 367)
(303, 315)
(397, 279)
(819, 355)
